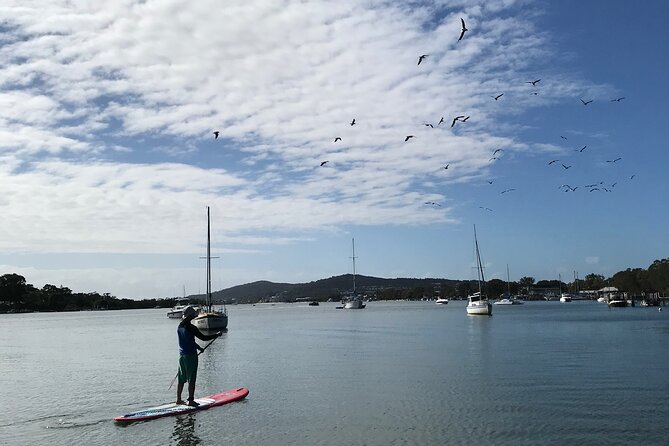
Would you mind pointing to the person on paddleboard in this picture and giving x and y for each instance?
(188, 351)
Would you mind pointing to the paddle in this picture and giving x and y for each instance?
(198, 353)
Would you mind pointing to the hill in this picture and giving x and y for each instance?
(323, 289)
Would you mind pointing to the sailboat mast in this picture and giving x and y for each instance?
(208, 262)
(508, 286)
(353, 257)
(478, 261)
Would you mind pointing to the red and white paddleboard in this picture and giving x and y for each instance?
(167, 410)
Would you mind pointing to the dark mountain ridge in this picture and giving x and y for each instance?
(332, 287)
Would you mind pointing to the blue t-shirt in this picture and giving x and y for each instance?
(186, 334)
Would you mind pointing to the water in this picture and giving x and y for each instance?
(395, 373)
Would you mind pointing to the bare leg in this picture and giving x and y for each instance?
(180, 388)
(191, 393)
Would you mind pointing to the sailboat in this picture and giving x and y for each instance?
(508, 299)
(478, 303)
(209, 317)
(353, 302)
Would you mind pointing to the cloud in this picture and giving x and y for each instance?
(107, 113)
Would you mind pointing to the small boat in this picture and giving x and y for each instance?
(602, 300)
(478, 303)
(441, 301)
(564, 297)
(504, 301)
(617, 303)
(313, 303)
(178, 309)
(209, 317)
(506, 297)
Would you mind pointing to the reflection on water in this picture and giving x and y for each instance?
(184, 431)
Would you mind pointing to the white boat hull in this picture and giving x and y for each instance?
(211, 321)
(504, 302)
(354, 305)
(441, 301)
(175, 314)
(479, 307)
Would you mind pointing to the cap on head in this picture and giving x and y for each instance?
(189, 312)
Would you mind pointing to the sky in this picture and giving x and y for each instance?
(108, 160)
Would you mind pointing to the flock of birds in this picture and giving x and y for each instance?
(594, 187)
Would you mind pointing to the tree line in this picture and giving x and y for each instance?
(18, 295)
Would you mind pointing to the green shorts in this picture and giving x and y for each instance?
(187, 368)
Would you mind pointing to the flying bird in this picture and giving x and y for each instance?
(507, 190)
(563, 137)
(464, 29)
(408, 138)
(216, 134)
(493, 158)
(632, 177)
(618, 99)
(421, 58)
(534, 93)
(432, 203)
(353, 122)
(446, 166)
(441, 120)
(534, 83)
(553, 161)
(490, 181)
(465, 120)
(498, 96)
(586, 102)
(337, 139)
(613, 161)
(487, 209)
(566, 167)
(428, 125)
(323, 163)
(457, 118)
(496, 150)
(583, 148)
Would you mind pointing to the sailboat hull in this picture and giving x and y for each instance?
(211, 321)
(354, 305)
(479, 307)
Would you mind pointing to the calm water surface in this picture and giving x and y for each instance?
(395, 373)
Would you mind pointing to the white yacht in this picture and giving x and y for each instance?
(478, 303)
(441, 301)
(565, 297)
(210, 318)
(178, 309)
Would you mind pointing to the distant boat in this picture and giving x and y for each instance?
(509, 299)
(210, 318)
(478, 303)
(565, 297)
(616, 302)
(441, 301)
(354, 301)
(313, 303)
(602, 300)
(177, 310)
